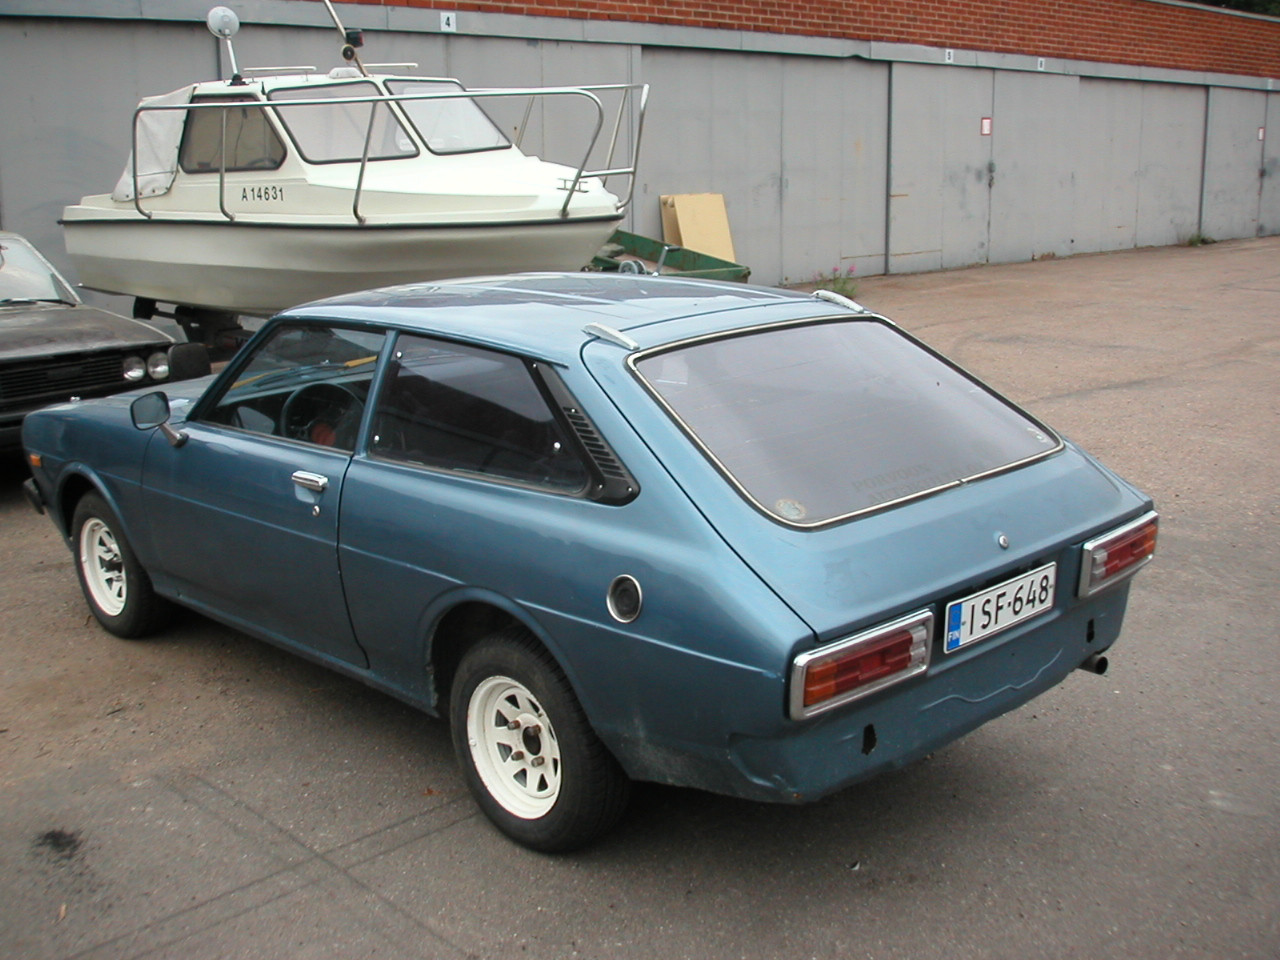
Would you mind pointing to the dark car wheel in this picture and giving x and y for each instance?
(118, 590)
(527, 752)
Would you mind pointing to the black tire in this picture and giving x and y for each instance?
(115, 586)
(548, 783)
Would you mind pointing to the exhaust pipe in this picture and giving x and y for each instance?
(1095, 663)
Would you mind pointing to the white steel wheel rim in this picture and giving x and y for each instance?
(102, 564)
(513, 747)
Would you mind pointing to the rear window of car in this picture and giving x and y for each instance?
(822, 421)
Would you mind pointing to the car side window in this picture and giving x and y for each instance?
(466, 409)
(305, 382)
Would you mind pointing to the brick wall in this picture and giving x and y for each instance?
(1142, 32)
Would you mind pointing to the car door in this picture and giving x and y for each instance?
(466, 467)
(245, 512)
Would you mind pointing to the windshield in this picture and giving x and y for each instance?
(449, 125)
(335, 132)
(825, 420)
(25, 275)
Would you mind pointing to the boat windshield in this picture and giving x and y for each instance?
(335, 132)
(449, 125)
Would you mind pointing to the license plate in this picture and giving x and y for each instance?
(1000, 607)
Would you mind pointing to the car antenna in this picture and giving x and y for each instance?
(832, 297)
(616, 337)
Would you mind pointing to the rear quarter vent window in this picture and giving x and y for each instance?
(820, 421)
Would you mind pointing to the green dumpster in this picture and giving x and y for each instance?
(632, 253)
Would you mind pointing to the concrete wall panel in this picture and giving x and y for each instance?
(1170, 163)
(67, 133)
(1269, 208)
(865, 132)
(1034, 147)
(1106, 156)
(1232, 160)
(833, 167)
(715, 127)
(939, 193)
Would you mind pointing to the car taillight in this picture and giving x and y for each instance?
(1118, 554)
(860, 665)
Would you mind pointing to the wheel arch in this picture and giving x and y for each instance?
(464, 618)
(75, 484)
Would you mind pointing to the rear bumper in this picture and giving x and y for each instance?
(806, 760)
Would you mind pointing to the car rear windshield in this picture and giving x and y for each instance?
(821, 421)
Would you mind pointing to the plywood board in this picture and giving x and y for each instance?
(698, 221)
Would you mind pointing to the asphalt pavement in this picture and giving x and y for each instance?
(203, 795)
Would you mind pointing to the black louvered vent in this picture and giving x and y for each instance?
(28, 383)
(595, 446)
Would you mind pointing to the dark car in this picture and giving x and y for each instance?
(53, 347)
(614, 528)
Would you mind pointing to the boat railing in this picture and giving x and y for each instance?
(632, 102)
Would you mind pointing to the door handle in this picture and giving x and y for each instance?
(311, 481)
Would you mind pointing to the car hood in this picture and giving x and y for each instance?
(49, 329)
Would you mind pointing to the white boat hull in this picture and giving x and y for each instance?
(260, 269)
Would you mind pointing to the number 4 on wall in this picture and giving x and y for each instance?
(448, 22)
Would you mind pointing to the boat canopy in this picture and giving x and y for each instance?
(157, 137)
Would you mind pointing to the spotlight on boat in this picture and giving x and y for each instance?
(223, 22)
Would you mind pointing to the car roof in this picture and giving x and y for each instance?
(545, 313)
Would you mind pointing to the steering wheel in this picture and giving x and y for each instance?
(327, 414)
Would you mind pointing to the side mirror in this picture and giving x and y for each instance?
(188, 361)
(151, 410)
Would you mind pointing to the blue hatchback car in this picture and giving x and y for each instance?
(613, 528)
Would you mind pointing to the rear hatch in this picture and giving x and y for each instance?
(863, 476)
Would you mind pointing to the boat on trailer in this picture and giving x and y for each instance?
(277, 186)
